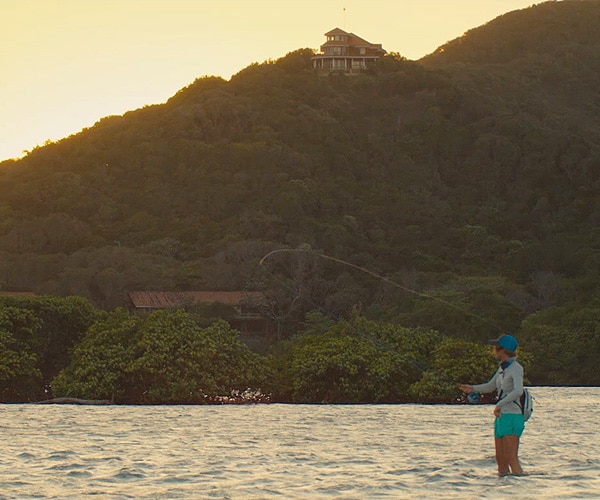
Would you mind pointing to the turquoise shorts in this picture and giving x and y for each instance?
(509, 423)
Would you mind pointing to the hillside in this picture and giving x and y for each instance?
(471, 175)
(551, 50)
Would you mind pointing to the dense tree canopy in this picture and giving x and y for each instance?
(163, 358)
(366, 361)
(37, 335)
(174, 356)
(168, 357)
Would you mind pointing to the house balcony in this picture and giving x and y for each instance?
(325, 64)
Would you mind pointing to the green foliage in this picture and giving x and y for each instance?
(164, 358)
(173, 361)
(168, 357)
(454, 361)
(433, 388)
(465, 308)
(20, 379)
(332, 368)
(364, 361)
(23, 324)
(38, 334)
(514, 35)
(50, 326)
(564, 344)
(101, 361)
(296, 61)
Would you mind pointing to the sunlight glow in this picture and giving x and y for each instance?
(68, 63)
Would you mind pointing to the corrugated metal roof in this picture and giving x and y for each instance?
(157, 299)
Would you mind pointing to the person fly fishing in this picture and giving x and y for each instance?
(510, 422)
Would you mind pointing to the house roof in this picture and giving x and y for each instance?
(351, 41)
(157, 299)
(336, 31)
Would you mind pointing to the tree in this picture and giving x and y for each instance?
(454, 361)
(20, 379)
(50, 327)
(165, 358)
(364, 361)
(173, 361)
(100, 364)
(564, 343)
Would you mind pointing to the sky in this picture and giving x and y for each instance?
(65, 64)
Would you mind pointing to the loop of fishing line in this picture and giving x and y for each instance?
(379, 342)
(382, 278)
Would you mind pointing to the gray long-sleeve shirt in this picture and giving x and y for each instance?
(509, 384)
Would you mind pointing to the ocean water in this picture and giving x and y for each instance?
(296, 451)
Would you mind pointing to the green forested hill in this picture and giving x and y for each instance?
(472, 175)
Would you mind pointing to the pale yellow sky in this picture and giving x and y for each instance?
(67, 63)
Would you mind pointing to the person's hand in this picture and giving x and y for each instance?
(497, 411)
(466, 388)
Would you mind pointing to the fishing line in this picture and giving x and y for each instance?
(377, 341)
(382, 278)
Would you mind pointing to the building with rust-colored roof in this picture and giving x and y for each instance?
(151, 300)
(246, 309)
(347, 53)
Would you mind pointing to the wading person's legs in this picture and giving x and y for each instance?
(507, 430)
(501, 459)
(510, 446)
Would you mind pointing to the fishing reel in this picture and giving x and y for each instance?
(473, 398)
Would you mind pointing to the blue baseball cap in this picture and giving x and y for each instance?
(507, 342)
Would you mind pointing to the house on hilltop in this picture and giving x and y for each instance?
(243, 310)
(346, 52)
